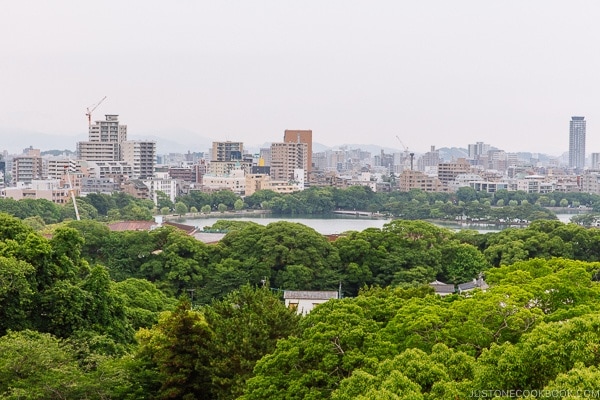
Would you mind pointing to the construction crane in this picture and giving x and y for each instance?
(407, 153)
(91, 108)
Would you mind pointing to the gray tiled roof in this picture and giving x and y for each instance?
(441, 287)
(311, 295)
(474, 284)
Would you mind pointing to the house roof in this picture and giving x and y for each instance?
(475, 283)
(441, 287)
(310, 295)
(132, 226)
(187, 228)
(148, 225)
(467, 285)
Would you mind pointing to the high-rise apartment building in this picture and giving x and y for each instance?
(141, 156)
(477, 150)
(28, 166)
(429, 159)
(227, 151)
(301, 136)
(595, 161)
(108, 145)
(286, 158)
(478, 154)
(104, 140)
(577, 142)
(108, 131)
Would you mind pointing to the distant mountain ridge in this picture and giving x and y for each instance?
(22, 139)
(16, 140)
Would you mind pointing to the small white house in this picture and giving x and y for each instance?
(303, 301)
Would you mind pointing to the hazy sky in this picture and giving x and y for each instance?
(509, 73)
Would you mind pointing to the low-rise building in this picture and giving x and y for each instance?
(98, 185)
(535, 184)
(489, 187)
(448, 171)
(478, 283)
(50, 192)
(256, 182)
(304, 301)
(136, 188)
(441, 288)
(235, 181)
(409, 180)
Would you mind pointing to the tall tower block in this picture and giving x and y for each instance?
(301, 136)
(577, 142)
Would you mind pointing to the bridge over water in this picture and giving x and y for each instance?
(357, 213)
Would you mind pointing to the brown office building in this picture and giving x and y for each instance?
(301, 136)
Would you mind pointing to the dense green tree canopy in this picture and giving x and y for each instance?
(71, 301)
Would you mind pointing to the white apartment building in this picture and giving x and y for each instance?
(99, 151)
(57, 167)
(463, 180)
(108, 144)
(534, 184)
(141, 156)
(107, 169)
(109, 130)
(104, 140)
(167, 186)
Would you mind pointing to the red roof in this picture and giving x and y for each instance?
(132, 226)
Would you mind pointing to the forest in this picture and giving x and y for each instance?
(88, 313)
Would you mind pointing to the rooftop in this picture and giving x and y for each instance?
(310, 295)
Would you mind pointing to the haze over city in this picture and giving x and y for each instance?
(509, 73)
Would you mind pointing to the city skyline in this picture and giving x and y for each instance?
(431, 73)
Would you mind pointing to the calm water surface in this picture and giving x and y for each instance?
(330, 225)
(337, 224)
